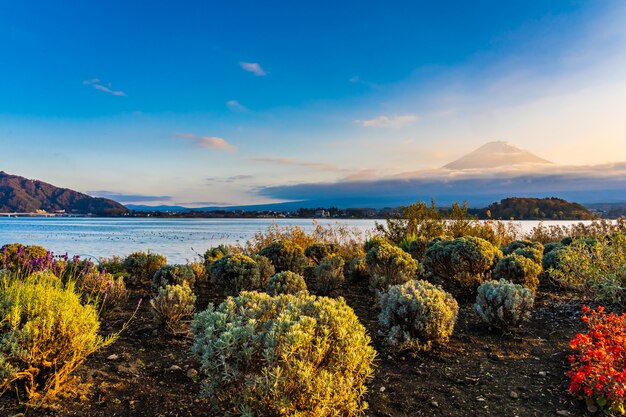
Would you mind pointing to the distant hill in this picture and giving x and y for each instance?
(21, 195)
(496, 155)
(536, 209)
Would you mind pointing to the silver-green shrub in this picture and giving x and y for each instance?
(286, 283)
(141, 266)
(328, 275)
(389, 265)
(418, 247)
(285, 256)
(235, 273)
(519, 270)
(173, 275)
(460, 264)
(503, 304)
(526, 248)
(173, 307)
(288, 355)
(417, 314)
(318, 251)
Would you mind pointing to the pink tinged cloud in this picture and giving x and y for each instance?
(212, 142)
(253, 67)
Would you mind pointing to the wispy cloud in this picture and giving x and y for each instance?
(254, 68)
(296, 162)
(234, 178)
(106, 87)
(213, 142)
(236, 106)
(128, 198)
(387, 121)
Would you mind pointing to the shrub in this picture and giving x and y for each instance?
(198, 270)
(417, 314)
(318, 251)
(46, 333)
(328, 275)
(531, 250)
(113, 265)
(389, 265)
(235, 273)
(103, 289)
(173, 307)
(173, 275)
(374, 241)
(16, 257)
(285, 256)
(141, 266)
(597, 268)
(418, 248)
(502, 304)
(519, 270)
(358, 269)
(214, 254)
(598, 365)
(551, 258)
(286, 283)
(266, 269)
(460, 264)
(286, 355)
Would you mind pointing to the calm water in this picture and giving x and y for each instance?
(178, 239)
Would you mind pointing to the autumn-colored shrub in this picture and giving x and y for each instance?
(389, 265)
(318, 251)
(141, 266)
(173, 307)
(45, 334)
(286, 283)
(598, 365)
(266, 269)
(288, 355)
(358, 269)
(503, 304)
(285, 256)
(417, 314)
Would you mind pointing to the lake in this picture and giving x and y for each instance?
(178, 239)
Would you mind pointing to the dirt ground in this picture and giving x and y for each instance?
(479, 373)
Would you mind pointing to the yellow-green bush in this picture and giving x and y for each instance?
(235, 273)
(141, 266)
(286, 283)
(389, 265)
(46, 333)
(461, 264)
(113, 265)
(525, 248)
(503, 304)
(173, 275)
(285, 256)
(417, 314)
(289, 355)
(328, 275)
(214, 254)
(173, 307)
(519, 270)
(358, 269)
(266, 269)
(318, 251)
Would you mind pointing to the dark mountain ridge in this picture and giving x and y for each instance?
(21, 195)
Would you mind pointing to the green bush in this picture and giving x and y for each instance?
(417, 314)
(173, 275)
(141, 266)
(266, 269)
(418, 247)
(173, 307)
(358, 269)
(374, 241)
(318, 251)
(503, 304)
(286, 283)
(527, 249)
(236, 273)
(519, 270)
(462, 264)
(45, 334)
(103, 289)
(214, 254)
(288, 355)
(551, 258)
(113, 265)
(328, 275)
(389, 265)
(16, 257)
(285, 256)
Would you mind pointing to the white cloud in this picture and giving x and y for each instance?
(253, 67)
(386, 121)
(236, 106)
(207, 141)
(296, 162)
(98, 85)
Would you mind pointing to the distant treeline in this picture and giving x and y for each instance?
(507, 209)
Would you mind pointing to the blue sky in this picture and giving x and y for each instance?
(218, 103)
